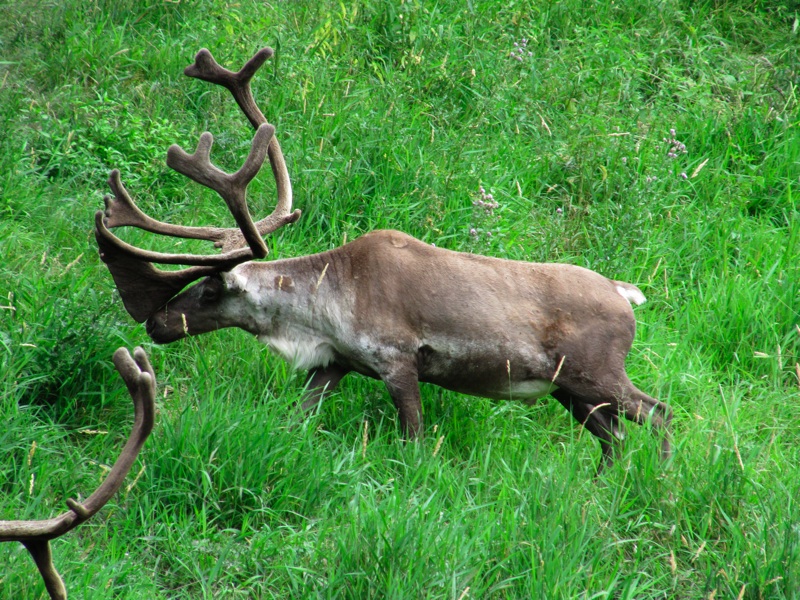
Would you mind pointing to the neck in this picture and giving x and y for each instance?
(296, 306)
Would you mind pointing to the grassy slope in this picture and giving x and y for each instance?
(394, 115)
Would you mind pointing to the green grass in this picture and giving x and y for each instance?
(394, 115)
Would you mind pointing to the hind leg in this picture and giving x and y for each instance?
(601, 422)
(639, 408)
(623, 398)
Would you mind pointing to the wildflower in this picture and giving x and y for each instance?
(486, 201)
(675, 147)
(559, 211)
(520, 51)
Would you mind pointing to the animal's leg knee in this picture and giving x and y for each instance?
(641, 408)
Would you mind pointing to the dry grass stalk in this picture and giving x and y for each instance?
(321, 276)
(558, 369)
(438, 445)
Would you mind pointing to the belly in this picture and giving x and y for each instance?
(522, 376)
(529, 391)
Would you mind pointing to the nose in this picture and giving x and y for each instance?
(162, 331)
(157, 333)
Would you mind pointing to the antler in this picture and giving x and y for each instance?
(207, 69)
(36, 535)
(144, 288)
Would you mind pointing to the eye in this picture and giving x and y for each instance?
(211, 290)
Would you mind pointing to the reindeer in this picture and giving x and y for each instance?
(36, 535)
(386, 305)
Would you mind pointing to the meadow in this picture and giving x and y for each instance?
(656, 142)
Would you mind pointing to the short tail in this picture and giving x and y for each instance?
(630, 292)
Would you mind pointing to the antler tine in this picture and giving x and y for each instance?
(137, 372)
(116, 245)
(121, 210)
(36, 535)
(231, 187)
(205, 67)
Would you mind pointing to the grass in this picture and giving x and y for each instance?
(395, 115)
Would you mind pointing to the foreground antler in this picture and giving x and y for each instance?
(36, 535)
(143, 288)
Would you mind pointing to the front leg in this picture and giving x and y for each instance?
(320, 381)
(403, 385)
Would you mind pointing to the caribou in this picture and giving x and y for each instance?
(385, 305)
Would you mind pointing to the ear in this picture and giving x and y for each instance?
(143, 288)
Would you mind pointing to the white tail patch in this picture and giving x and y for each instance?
(630, 292)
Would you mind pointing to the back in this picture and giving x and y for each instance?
(463, 294)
